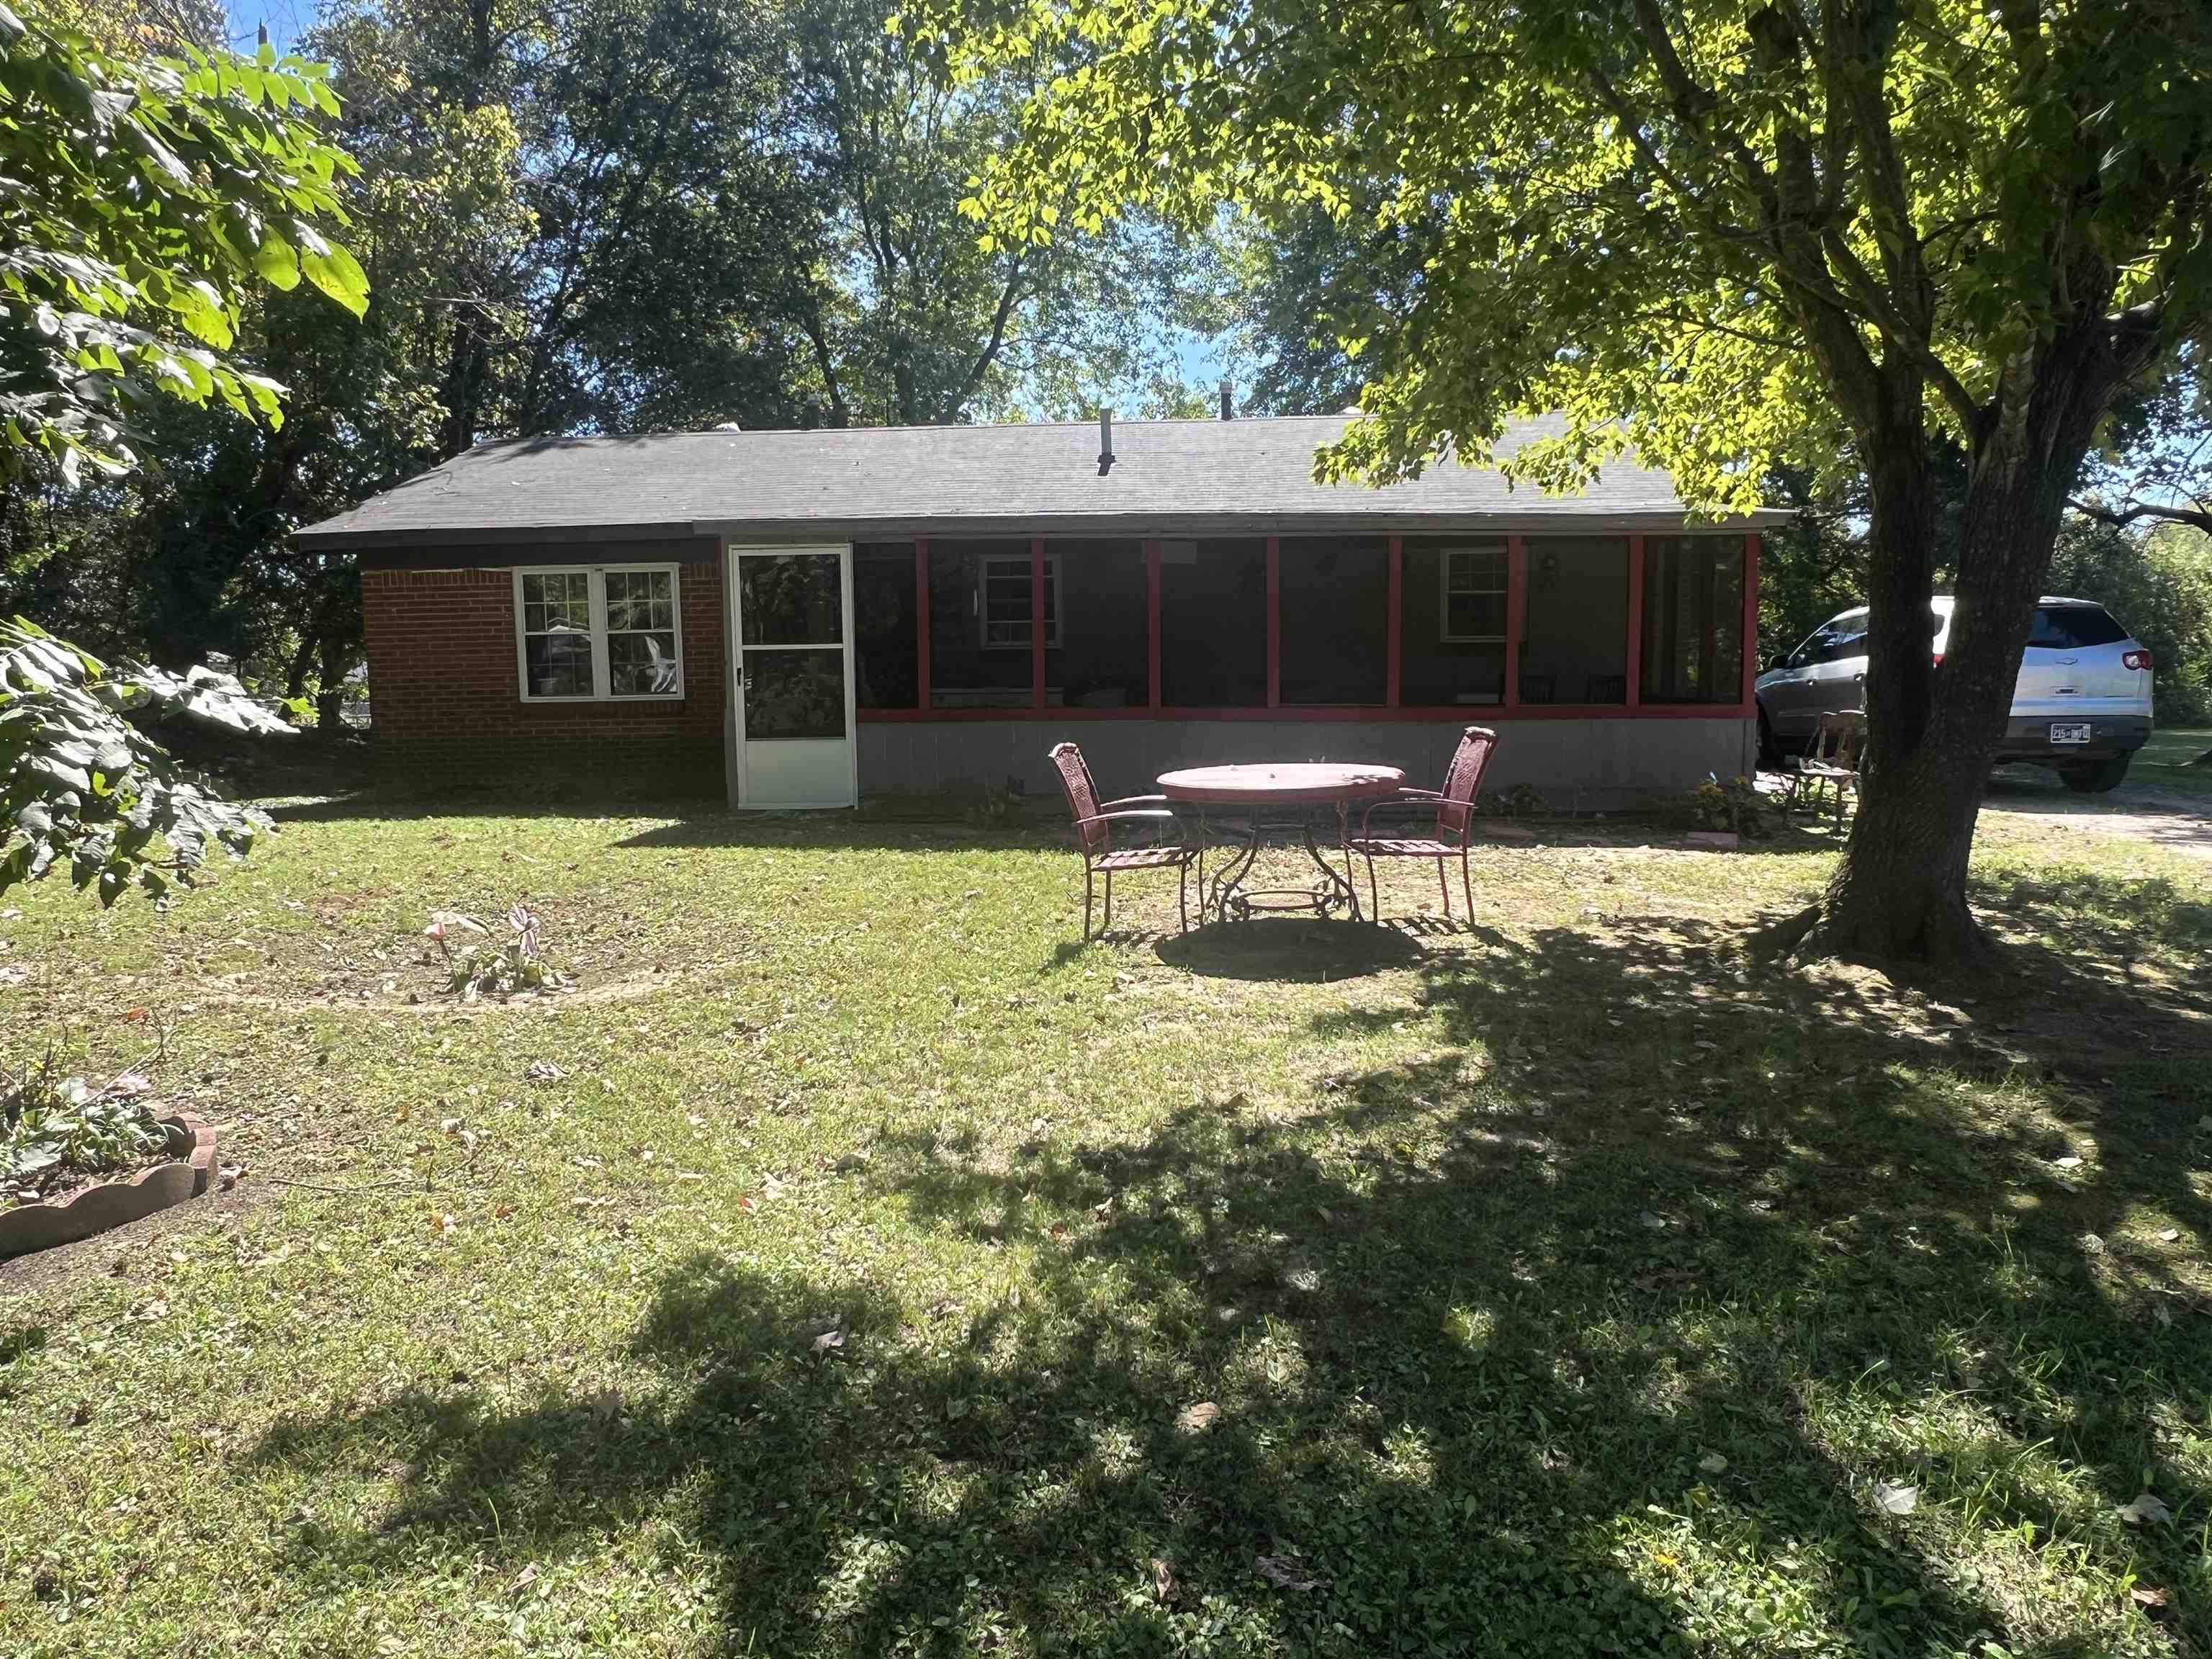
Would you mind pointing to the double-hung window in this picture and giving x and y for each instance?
(1003, 602)
(597, 633)
(1472, 602)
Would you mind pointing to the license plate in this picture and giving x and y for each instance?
(2069, 734)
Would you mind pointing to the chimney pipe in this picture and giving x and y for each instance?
(1228, 410)
(1105, 442)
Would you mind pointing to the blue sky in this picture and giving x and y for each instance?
(286, 20)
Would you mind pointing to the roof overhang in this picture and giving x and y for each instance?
(409, 546)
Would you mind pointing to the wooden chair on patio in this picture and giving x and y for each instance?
(1094, 837)
(1450, 811)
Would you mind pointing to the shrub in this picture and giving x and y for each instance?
(54, 1132)
(1736, 805)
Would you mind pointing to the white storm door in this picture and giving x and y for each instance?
(792, 666)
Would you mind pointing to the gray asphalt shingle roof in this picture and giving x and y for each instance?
(1169, 477)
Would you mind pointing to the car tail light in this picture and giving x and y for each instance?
(2135, 660)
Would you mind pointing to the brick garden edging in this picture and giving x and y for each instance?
(96, 1209)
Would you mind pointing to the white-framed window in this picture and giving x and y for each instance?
(1471, 602)
(1002, 601)
(596, 633)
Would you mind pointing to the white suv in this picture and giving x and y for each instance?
(2081, 705)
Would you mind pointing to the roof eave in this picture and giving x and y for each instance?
(1368, 521)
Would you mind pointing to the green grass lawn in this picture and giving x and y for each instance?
(1577, 1285)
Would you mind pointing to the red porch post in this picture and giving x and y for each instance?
(1036, 622)
(1275, 622)
(1393, 643)
(921, 622)
(1750, 621)
(1152, 625)
(1635, 622)
(1516, 588)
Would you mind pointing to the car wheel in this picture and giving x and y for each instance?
(1770, 751)
(2095, 777)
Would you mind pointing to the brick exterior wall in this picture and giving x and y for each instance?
(446, 706)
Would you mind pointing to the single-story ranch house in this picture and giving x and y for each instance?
(811, 617)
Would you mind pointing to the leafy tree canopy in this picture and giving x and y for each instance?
(1693, 227)
(145, 197)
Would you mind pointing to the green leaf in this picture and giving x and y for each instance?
(276, 261)
(338, 275)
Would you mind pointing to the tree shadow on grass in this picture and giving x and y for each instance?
(1586, 1325)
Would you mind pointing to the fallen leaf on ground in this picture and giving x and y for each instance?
(2147, 1506)
(829, 1339)
(1712, 1463)
(1196, 1419)
(1163, 1580)
(1282, 1571)
(2146, 1595)
(1896, 1500)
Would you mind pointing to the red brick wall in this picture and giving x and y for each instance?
(445, 705)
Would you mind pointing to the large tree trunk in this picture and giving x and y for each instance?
(1900, 892)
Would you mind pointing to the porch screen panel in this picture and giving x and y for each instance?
(1097, 659)
(978, 624)
(1452, 622)
(883, 655)
(1692, 619)
(1574, 634)
(1213, 624)
(1334, 618)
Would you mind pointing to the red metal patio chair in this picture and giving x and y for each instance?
(1094, 837)
(1453, 810)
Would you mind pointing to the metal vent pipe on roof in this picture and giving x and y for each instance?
(1228, 410)
(1105, 442)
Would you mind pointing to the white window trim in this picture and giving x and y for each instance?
(1445, 591)
(602, 679)
(983, 572)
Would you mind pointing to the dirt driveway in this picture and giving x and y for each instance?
(2028, 796)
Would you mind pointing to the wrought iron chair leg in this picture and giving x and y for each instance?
(1374, 897)
(1183, 894)
(1108, 926)
(1467, 887)
(1086, 901)
(1443, 886)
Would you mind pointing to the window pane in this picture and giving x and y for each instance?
(1451, 627)
(1097, 659)
(557, 599)
(1335, 605)
(641, 599)
(1573, 637)
(1692, 619)
(641, 665)
(790, 599)
(1214, 624)
(882, 624)
(558, 665)
(794, 693)
(1006, 602)
(2073, 628)
(964, 673)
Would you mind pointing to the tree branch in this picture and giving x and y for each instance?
(2120, 518)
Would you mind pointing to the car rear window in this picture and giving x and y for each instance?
(2071, 627)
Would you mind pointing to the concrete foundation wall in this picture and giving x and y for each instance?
(1594, 765)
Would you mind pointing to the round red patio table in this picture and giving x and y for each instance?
(1256, 799)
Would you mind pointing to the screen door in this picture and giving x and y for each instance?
(793, 673)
